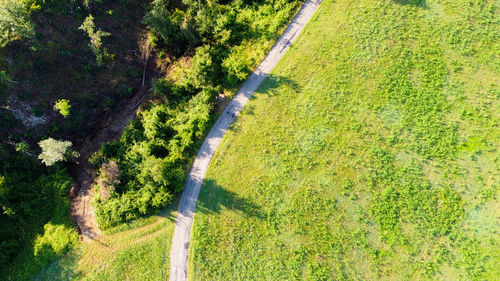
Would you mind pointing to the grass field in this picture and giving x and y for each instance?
(370, 153)
(136, 251)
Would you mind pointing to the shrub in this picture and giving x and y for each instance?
(237, 66)
(95, 36)
(204, 69)
(155, 150)
(63, 107)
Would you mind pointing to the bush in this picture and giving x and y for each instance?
(204, 69)
(237, 66)
(63, 107)
(155, 150)
(35, 225)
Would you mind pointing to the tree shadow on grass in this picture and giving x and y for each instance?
(214, 199)
(269, 87)
(273, 82)
(63, 268)
(416, 3)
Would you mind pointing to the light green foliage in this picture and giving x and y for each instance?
(55, 241)
(22, 147)
(237, 65)
(54, 151)
(35, 224)
(14, 21)
(370, 153)
(203, 68)
(151, 155)
(155, 151)
(63, 107)
(140, 251)
(229, 38)
(95, 36)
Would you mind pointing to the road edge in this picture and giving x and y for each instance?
(179, 254)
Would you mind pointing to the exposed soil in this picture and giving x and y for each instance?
(82, 193)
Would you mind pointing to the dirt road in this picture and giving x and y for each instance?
(82, 192)
(182, 233)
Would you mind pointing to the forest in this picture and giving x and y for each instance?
(68, 67)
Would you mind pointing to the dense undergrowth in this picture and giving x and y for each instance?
(35, 221)
(45, 57)
(51, 85)
(226, 40)
(66, 66)
(370, 153)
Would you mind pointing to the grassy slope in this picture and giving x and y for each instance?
(136, 251)
(370, 153)
(51, 232)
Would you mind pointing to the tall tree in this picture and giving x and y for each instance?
(54, 151)
(14, 22)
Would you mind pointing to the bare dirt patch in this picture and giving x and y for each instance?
(82, 193)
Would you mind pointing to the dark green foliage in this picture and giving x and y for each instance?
(152, 155)
(155, 151)
(172, 94)
(31, 198)
(167, 27)
(14, 21)
(220, 33)
(55, 62)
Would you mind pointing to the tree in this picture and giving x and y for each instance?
(54, 151)
(203, 71)
(95, 38)
(62, 106)
(14, 22)
(22, 147)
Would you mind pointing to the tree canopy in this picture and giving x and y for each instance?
(14, 21)
(53, 151)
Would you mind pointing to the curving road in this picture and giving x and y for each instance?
(182, 233)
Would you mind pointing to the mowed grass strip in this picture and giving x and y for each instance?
(136, 251)
(370, 153)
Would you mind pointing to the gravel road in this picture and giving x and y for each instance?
(182, 233)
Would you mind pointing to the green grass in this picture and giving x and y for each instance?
(135, 251)
(370, 153)
(42, 224)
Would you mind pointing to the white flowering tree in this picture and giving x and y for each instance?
(54, 151)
